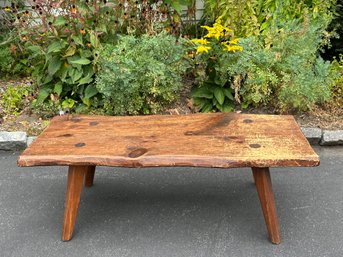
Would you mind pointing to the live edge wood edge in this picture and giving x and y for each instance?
(244, 140)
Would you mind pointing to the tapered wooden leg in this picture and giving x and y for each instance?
(265, 192)
(76, 175)
(253, 173)
(89, 176)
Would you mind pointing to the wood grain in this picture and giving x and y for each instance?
(89, 176)
(76, 175)
(265, 192)
(222, 140)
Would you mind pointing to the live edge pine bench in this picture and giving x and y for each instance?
(199, 140)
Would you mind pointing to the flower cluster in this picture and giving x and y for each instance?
(220, 33)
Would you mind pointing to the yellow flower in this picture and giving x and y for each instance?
(200, 41)
(217, 30)
(213, 32)
(201, 49)
(234, 41)
(233, 48)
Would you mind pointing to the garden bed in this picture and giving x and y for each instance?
(329, 117)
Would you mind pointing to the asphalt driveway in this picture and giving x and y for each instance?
(172, 211)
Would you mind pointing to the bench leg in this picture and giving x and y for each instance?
(265, 192)
(76, 175)
(89, 176)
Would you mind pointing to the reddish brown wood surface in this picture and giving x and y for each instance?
(265, 192)
(76, 175)
(203, 140)
(90, 176)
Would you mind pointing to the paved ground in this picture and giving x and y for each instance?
(172, 212)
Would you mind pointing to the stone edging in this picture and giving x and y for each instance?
(323, 137)
(11, 141)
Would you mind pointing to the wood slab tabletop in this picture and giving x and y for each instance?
(222, 140)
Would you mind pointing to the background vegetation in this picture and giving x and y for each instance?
(131, 57)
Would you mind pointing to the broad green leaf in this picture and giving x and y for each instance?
(58, 88)
(219, 95)
(77, 39)
(90, 91)
(43, 94)
(86, 101)
(86, 80)
(228, 93)
(55, 47)
(35, 49)
(81, 61)
(93, 38)
(70, 51)
(75, 74)
(60, 21)
(24, 61)
(68, 103)
(202, 92)
(54, 65)
(207, 107)
(227, 108)
(47, 79)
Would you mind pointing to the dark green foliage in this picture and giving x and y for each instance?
(13, 63)
(65, 47)
(140, 75)
(6, 61)
(289, 69)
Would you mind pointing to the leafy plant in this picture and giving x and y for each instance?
(12, 100)
(65, 37)
(337, 89)
(288, 74)
(213, 90)
(6, 60)
(140, 75)
(251, 17)
(14, 58)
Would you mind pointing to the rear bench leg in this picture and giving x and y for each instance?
(89, 176)
(265, 192)
(76, 175)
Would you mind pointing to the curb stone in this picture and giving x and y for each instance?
(331, 137)
(11, 141)
(313, 135)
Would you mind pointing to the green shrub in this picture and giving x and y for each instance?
(141, 74)
(12, 100)
(65, 47)
(252, 17)
(6, 60)
(14, 58)
(280, 68)
(14, 62)
(289, 73)
(337, 89)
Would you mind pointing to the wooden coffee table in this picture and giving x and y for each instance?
(215, 140)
